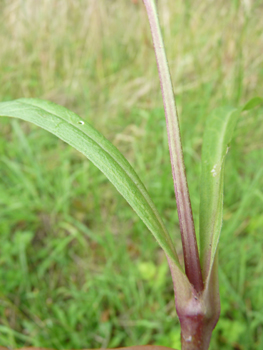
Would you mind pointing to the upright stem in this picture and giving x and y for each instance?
(190, 250)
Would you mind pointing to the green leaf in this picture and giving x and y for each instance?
(254, 102)
(217, 136)
(70, 128)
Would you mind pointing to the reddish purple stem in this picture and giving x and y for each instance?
(190, 250)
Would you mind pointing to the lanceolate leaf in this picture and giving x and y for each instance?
(82, 136)
(218, 134)
(254, 102)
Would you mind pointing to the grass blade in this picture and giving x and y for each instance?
(218, 134)
(82, 136)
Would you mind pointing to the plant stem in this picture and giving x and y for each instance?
(190, 250)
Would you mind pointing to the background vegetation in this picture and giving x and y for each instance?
(77, 267)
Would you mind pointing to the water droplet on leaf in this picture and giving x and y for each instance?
(214, 170)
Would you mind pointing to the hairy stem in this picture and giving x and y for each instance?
(190, 250)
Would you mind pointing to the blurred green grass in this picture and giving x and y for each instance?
(77, 267)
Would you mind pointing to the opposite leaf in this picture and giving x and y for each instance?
(217, 136)
(82, 136)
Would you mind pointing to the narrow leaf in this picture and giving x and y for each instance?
(254, 102)
(70, 128)
(217, 136)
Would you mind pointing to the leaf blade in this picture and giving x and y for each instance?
(82, 136)
(252, 103)
(217, 136)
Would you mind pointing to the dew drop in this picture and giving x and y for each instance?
(214, 170)
(81, 122)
